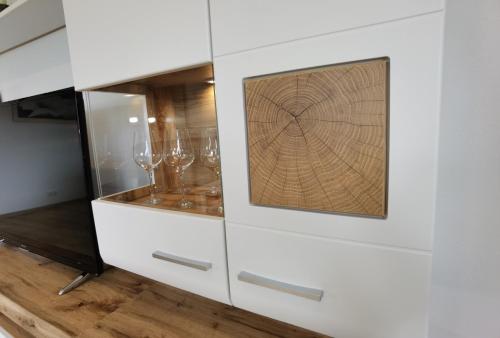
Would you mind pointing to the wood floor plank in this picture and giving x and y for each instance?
(163, 311)
(12, 328)
(117, 304)
(33, 284)
(30, 322)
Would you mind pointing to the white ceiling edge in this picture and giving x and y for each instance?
(26, 20)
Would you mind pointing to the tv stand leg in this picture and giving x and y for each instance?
(82, 278)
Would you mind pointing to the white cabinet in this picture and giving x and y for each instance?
(117, 40)
(347, 290)
(38, 67)
(26, 20)
(131, 126)
(341, 275)
(239, 25)
(175, 248)
(414, 49)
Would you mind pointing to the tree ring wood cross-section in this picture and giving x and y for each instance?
(317, 138)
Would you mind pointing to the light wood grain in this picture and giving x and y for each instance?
(167, 312)
(12, 328)
(190, 106)
(30, 322)
(32, 284)
(116, 304)
(203, 204)
(317, 138)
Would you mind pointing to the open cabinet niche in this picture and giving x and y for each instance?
(159, 105)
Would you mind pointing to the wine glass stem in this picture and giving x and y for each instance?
(181, 178)
(217, 176)
(151, 187)
(214, 189)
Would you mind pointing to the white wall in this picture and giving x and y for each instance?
(40, 163)
(466, 266)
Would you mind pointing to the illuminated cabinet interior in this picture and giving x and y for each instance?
(168, 122)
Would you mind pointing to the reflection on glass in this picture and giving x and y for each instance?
(112, 119)
(210, 157)
(147, 152)
(179, 154)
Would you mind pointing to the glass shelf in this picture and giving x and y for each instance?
(156, 107)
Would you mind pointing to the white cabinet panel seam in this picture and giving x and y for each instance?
(40, 66)
(340, 240)
(215, 55)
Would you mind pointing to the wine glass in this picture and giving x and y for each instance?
(210, 157)
(147, 153)
(178, 153)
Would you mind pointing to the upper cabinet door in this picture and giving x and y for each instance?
(239, 25)
(287, 165)
(44, 16)
(118, 40)
(38, 67)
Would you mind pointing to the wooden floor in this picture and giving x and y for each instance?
(116, 304)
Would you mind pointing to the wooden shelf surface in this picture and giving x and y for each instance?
(203, 204)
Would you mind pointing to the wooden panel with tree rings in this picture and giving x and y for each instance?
(317, 138)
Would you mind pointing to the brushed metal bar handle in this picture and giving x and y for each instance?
(301, 291)
(204, 266)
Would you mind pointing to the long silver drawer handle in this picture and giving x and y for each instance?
(205, 266)
(301, 291)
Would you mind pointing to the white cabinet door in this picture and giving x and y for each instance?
(43, 16)
(239, 25)
(38, 67)
(346, 290)
(186, 251)
(414, 48)
(117, 40)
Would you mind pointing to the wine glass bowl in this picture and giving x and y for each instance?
(210, 158)
(147, 154)
(178, 153)
(177, 159)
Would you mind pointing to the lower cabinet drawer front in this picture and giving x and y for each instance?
(185, 251)
(342, 289)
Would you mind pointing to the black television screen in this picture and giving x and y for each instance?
(58, 106)
(45, 184)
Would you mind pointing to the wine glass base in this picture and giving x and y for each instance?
(212, 193)
(185, 204)
(180, 190)
(153, 201)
